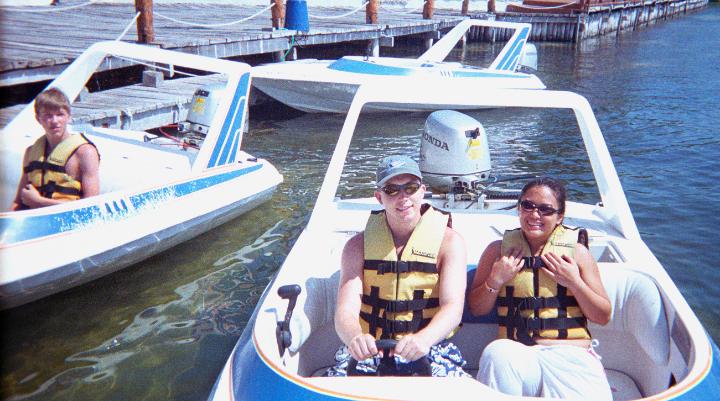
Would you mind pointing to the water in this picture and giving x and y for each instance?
(162, 329)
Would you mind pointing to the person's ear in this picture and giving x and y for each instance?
(378, 197)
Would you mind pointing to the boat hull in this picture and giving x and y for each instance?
(335, 96)
(125, 233)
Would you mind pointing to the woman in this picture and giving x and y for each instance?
(546, 286)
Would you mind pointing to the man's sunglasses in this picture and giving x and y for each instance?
(544, 209)
(393, 189)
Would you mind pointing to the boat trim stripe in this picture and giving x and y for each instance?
(364, 67)
(299, 379)
(509, 62)
(232, 127)
(16, 229)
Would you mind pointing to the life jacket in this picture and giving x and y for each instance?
(401, 296)
(47, 172)
(532, 305)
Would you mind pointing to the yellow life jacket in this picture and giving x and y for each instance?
(532, 305)
(401, 296)
(47, 172)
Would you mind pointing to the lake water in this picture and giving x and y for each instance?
(162, 329)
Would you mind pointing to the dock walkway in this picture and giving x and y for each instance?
(37, 46)
(135, 107)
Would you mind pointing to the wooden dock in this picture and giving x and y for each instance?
(37, 46)
(134, 107)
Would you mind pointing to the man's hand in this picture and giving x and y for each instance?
(412, 347)
(30, 196)
(362, 346)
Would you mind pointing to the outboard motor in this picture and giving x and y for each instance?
(203, 106)
(454, 152)
(529, 58)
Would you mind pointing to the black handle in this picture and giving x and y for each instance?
(282, 331)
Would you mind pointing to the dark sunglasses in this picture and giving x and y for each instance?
(544, 209)
(393, 189)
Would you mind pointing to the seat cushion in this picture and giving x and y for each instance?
(623, 386)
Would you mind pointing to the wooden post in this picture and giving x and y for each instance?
(465, 7)
(145, 30)
(278, 14)
(428, 9)
(371, 11)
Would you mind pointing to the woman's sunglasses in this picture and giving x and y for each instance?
(393, 189)
(544, 209)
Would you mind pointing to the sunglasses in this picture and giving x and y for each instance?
(544, 209)
(393, 189)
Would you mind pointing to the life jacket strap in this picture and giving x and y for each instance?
(43, 165)
(536, 323)
(533, 262)
(51, 187)
(532, 302)
(395, 326)
(385, 266)
(403, 306)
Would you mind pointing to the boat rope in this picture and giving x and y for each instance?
(214, 25)
(154, 66)
(339, 16)
(532, 7)
(49, 9)
(127, 28)
(414, 10)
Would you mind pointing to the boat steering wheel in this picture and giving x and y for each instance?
(387, 366)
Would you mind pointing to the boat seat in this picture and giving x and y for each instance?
(127, 163)
(623, 387)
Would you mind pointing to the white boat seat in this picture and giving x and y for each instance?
(623, 387)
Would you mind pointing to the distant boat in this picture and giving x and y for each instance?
(653, 348)
(318, 86)
(156, 192)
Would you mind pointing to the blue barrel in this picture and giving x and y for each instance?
(296, 15)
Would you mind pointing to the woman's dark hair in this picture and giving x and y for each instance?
(555, 185)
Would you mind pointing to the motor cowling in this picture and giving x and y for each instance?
(203, 106)
(454, 151)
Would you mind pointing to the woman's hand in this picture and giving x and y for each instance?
(505, 268)
(563, 269)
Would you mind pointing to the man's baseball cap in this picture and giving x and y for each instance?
(393, 166)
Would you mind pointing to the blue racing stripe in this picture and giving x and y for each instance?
(514, 52)
(14, 229)
(364, 67)
(236, 106)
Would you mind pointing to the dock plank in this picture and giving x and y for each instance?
(37, 45)
(132, 107)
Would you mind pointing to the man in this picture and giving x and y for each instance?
(60, 166)
(403, 278)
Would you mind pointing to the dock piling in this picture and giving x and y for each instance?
(145, 30)
(278, 13)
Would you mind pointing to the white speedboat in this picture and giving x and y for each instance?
(654, 347)
(329, 85)
(155, 191)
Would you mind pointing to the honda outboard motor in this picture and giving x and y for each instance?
(454, 152)
(203, 106)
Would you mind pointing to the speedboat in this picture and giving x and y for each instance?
(328, 86)
(653, 348)
(156, 190)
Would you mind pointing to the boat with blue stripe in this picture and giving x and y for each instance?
(157, 191)
(329, 85)
(654, 346)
